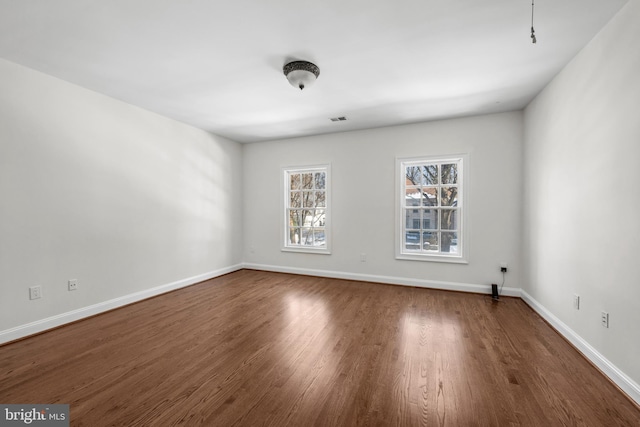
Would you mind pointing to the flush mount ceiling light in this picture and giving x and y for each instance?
(301, 73)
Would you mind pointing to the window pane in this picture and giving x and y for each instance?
(412, 219)
(307, 217)
(449, 196)
(449, 219)
(294, 180)
(413, 175)
(412, 240)
(307, 181)
(318, 218)
(321, 201)
(294, 199)
(412, 196)
(320, 180)
(430, 219)
(308, 199)
(295, 218)
(449, 173)
(318, 237)
(430, 174)
(450, 242)
(430, 241)
(306, 237)
(429, 197)
(294, 236)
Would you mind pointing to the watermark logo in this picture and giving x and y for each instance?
(34, 415)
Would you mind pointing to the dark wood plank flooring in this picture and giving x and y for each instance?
(254, 348)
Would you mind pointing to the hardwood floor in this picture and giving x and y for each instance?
(254, 348)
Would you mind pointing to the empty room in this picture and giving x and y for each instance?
(335, 213)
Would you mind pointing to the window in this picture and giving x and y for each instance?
(306, 209)
(430, 209)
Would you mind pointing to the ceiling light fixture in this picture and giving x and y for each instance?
(301, 73)
(533, 33)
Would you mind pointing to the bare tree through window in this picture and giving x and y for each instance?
(431, 207)
(306, 208)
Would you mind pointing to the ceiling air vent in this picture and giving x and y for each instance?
(338, 119)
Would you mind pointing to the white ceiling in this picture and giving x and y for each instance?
(217, 65)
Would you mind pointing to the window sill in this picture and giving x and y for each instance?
(307, 250)
(433, 258)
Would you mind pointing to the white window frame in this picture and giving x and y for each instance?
(286, 182)
(462, 255)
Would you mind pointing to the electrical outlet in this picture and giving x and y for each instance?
(35, 292)
(73, 284)
(604, 319)
(503, 267)
(363, 257)
(576, 301)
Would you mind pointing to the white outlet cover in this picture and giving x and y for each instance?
(605, 319)
(35, 292)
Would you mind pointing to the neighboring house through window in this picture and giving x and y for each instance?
(306, 209)
(430, 209)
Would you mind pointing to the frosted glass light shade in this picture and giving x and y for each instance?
(301, 74)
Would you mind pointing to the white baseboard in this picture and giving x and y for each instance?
(389, 280)
(81, 313)
(630, 387)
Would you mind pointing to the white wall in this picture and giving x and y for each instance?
(93, 189)
(131, 203)
(363, 198)
(582, 234)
